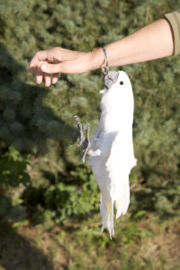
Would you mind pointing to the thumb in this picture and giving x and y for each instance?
(50, 68)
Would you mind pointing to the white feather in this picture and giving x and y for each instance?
(111, 155)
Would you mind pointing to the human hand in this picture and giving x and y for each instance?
(49, 63)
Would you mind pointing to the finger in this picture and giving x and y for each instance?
(39, 76)
(47, 78)
(33, 64)
(51, 68)
(37, 58)
(64, 67)
(54, 78)
(73, 67)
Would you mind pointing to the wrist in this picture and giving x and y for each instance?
(96, 58)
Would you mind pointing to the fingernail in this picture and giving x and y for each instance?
(44, 67)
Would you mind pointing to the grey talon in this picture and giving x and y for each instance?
(81, 133)
(86, 144)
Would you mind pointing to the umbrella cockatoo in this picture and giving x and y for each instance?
(111, 153)
(110, 150)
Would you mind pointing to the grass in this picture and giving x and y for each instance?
(146, 244)
(143, 240)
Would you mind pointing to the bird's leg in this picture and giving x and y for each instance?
(86, 143)
(81, 133)
(83, 141)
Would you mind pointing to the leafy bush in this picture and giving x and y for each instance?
(40, 121)
(14, 178)
(13, 168)
(61, 201)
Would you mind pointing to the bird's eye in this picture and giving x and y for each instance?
(121, 82)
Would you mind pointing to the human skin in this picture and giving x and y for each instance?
(148, 43)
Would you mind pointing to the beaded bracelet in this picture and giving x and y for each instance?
(105, 68)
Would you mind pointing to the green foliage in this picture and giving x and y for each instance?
(13, 180)
(49, 185)
(13, 168)
(61, 201)
(70, 200)
(40, 121)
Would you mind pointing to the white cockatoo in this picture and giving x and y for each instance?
(111, 153)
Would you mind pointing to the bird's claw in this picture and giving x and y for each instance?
(85, 141)
(81, 133)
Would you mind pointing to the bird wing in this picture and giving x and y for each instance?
(119, 164)
(122, 153)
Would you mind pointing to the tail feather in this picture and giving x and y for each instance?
(107, 209)
(107, 214)
(122, 203)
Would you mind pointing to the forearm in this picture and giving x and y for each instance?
(150, 42)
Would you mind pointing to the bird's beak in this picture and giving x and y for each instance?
(110, 78)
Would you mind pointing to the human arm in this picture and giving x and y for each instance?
(150, 42)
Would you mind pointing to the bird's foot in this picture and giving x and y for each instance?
(84, 141)
(80, 129)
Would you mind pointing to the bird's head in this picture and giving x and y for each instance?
(117, 95)
(116, 79)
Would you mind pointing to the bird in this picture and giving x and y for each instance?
(110, 150)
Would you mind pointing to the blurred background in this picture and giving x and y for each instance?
(49, 201)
